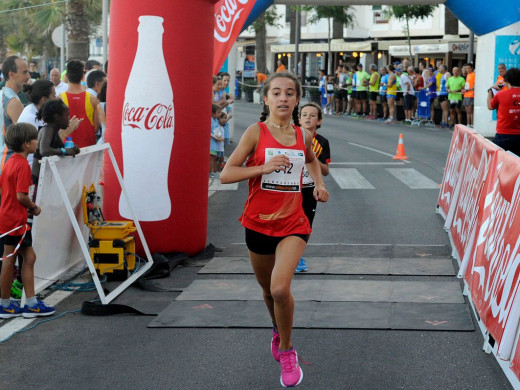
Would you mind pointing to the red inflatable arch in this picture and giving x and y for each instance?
(158, 118)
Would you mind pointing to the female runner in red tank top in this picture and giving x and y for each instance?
(277, 229)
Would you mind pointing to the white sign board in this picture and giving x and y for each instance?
(60, 236)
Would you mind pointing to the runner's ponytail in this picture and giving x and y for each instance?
(295, 116)
(265, 113)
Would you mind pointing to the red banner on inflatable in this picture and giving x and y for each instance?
(494, 264)
(469, 187)
(453, 169)
(230, 16)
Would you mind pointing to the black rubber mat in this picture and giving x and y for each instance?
(344, 266)
(329, 290)
(358, 250)
(312, 314)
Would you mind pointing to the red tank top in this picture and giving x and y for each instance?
(274, 204)
(80, 105)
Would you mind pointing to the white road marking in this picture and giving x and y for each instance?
(350, 179)
(376, 150)
(412, 178)
(18, 323)
(215, 185)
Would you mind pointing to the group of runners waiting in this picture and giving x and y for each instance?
(353, 91)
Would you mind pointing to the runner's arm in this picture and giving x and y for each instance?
(313, 166)
(235, 171)
(95, 103)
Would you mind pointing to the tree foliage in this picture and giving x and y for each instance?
(26, 26)
(341, 14)
(409, 13)
(412, 12)
(269, 18)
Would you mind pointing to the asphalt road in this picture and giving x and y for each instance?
(119, 352)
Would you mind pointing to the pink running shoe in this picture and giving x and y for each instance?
(275, 345)
(292, 374)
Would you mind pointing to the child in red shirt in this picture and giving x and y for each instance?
(16, 179)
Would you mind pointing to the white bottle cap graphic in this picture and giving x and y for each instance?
(148, 127)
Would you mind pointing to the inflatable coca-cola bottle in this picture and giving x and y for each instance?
(147, 127)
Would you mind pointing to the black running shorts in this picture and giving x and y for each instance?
(262, 244)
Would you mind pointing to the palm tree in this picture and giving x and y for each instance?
(80, 16)
(268, 18)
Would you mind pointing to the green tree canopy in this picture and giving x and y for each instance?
(341, 14)
(408, 13)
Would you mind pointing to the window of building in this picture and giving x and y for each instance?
(380, 16)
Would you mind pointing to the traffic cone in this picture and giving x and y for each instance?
(401, 154)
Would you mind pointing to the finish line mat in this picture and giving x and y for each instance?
(344, 266)
(329, 290)
(322, 315)
(358, 250)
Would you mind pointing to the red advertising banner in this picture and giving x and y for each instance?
(453, 169)
(469, 187)
(494, 263)
(230, 16)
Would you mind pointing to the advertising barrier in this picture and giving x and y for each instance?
(492, 273)
(463, 211)
(453, 169)
(480, 197)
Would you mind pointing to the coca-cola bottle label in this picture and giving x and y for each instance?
(148, 127)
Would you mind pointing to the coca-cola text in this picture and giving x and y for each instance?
(226, 17)
(156, 117)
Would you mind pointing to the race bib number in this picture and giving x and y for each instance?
(288, 179)
(466, 86)
(306, 178)
(330, 87)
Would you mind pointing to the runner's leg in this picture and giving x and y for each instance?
(263, 268)
(288, 254)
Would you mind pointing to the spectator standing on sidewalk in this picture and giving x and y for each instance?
(341, 93)
(82, 105)
(382, 92)
(260, 80)
(59, 85)
(469, 94)
(408, 95)
(373, 91)
(391, 93)
(216, 136)
(15, 183)
(55, 115)
(500, 84)
(431, 85)
(16, 75)
(277, 229)
(362, 80)
(455, 85)
(442, 94)
(508, 111)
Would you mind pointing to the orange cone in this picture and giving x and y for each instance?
(401, 154)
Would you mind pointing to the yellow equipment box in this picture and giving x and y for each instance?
(112, 249)
(113, 256)
(93, 217)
